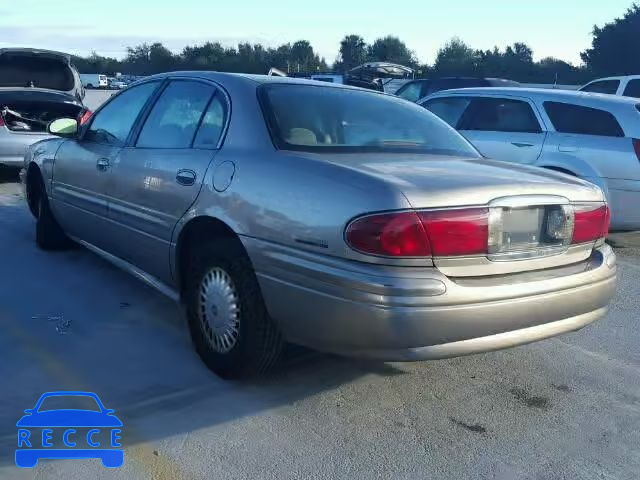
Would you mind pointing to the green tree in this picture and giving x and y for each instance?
(353, 52)
(553, 70)
(208, 56)
(302, 57)
(391, 49)
(518, 62)
(161, 59)
(456, 58)
(615, 47)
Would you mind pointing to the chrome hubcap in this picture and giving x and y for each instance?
(219, 310)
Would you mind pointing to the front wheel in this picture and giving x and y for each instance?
(49, 233)
(229, 324)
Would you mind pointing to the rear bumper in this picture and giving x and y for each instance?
(13, 146)
(418, 313)
(16, 161)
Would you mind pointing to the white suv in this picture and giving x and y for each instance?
(628, 86)
(591, 136)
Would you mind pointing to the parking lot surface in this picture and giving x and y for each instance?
(565, 408)
(94, 98)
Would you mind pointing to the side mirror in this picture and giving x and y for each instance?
(63, 127)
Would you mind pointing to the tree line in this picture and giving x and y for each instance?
(614, 51)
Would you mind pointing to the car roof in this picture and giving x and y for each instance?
(544, 94)
(223, 77)
(619, 77)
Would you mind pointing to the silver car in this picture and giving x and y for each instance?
(628, 85)
(36, 87)
(591, 136)
(350, 221)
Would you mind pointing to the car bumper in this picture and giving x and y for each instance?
(401, 313)
(12, 160)
(13, 146)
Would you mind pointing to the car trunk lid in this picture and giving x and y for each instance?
(530, 213)
(36, 69)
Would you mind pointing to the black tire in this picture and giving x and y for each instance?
(258, 343)
(49, 233)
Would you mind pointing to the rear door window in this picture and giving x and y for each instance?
(577, 119)
(449, 109)
(632, 89)
(175, 117)
(602, 86)
(212, 125)
(500, 115)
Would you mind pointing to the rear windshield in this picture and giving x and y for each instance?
(324, 119)
(19, 70)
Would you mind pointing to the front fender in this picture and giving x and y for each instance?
(41, 157)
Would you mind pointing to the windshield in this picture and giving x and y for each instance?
(325, 119)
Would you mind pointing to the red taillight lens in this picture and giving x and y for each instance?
(85, 117)
(1, 121)
(440, 233)
(591, 223)
(394, 235)
(457, 232)
(636, 147)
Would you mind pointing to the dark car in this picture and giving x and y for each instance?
(417, 89)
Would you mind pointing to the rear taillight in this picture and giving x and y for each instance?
(392, 235)
(422, 234)
(85, 117)
(467, 231)
(590, 223)
(457, 232)
(1, 121)
(636, 147)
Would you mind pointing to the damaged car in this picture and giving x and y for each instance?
(36, 87)
(281, 210)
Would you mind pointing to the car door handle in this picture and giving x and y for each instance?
(186, 177)
(103, 164)
(521, 145)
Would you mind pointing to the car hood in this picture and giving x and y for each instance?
(69, 418)
(431, 181)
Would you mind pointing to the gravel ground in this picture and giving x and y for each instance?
(565, 408)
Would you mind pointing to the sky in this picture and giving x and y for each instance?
(558, 28)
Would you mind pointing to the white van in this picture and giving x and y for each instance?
(94, 80)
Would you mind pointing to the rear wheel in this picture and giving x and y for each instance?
(49, 233)
(229, 324)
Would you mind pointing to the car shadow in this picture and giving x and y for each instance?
(71, 321)
(9, 174)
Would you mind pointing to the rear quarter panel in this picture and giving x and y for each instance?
(302, 203)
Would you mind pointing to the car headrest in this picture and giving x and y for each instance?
(301, 136)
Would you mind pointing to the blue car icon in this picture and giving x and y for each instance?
(31, 448)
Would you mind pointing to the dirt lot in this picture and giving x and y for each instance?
(566, 408)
